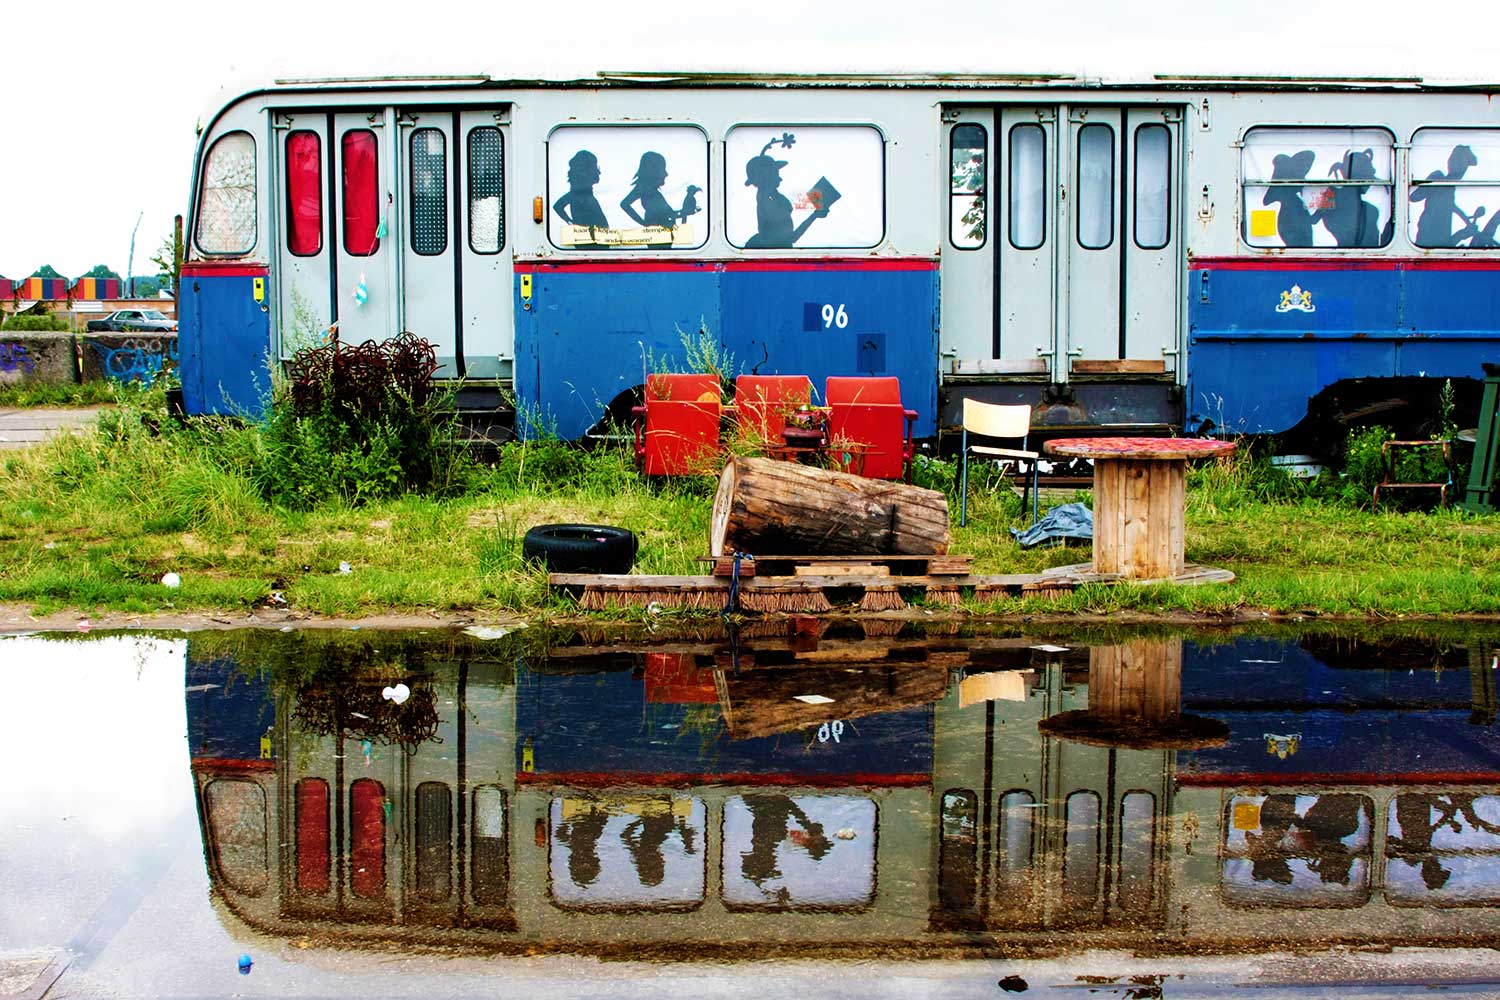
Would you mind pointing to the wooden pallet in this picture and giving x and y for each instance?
(822, 565)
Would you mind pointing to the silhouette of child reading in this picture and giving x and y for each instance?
(579, 207)
(649, 177)
(773, 210)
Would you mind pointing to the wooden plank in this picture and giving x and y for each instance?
(1126, 366)
(862, 569)
(949, 565)
(874, 558)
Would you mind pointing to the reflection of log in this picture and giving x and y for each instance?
(764, 702)
(768, 507)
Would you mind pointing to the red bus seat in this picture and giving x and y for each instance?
(677, 430)
(762, 403)
(867, 410)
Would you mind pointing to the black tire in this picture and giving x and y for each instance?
(580, 548)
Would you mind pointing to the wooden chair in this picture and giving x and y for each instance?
(867, 410)
(763, 401)
(677, 429)
(996, 422)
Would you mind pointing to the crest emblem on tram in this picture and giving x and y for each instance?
(1296, 300)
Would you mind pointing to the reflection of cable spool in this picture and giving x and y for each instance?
(1135, 701)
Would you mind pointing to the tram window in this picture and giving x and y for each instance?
(429, 191)
(312, 836)
(237, 821)
(367, 838)
(1081, 848)
(226, 198)
(488, 863)
(486, 190)
(968, 185)
(1096, 187)
(1441, 849)
(1455, 173)
(1290, 850)
(304, 193)
(786, 851)
(958, 850)
(1317, 187)
(1153, 186)
(804, 187)
(1137, 850)
(434, 841)
(1028, 187)
(630, 853)
(1013, 874)
(627, 187)
(361, 193)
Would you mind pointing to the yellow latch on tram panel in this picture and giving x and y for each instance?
(528, 757)
(259, 286)
(525, 291)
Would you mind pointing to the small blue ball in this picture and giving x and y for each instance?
(245, 964)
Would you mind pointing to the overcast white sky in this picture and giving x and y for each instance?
(102, 102)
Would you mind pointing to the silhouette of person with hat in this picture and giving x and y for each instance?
(773, 210)
(1294, 222)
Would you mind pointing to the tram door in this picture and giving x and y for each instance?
(1075, 263)
(455, 288)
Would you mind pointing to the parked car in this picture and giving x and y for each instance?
(122, 320)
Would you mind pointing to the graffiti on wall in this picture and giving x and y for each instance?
(15, 358)
(136, 359)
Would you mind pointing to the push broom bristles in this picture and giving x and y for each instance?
(767, 600)
(881, 599)
(947, 596)
(599, 598)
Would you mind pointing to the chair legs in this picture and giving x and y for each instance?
(963, 475)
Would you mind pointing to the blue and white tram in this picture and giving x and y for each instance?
(1169, 252)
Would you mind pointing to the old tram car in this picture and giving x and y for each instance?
(1172, 253)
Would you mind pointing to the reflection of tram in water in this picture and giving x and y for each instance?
(635, 800)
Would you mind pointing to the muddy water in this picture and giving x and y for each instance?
(394, 814)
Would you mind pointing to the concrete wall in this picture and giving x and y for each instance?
(28, 358)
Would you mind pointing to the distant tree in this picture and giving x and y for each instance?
(101, 271)
(168, 261)
(147, 288)
(46, 271)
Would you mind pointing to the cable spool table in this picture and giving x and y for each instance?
(1139, 500)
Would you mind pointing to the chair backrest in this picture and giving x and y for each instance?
(763, 402)
(997, 420)
(682, 424)
(863, 389)
(693, 387)
(880, 427)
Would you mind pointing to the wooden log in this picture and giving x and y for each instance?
(767, 507)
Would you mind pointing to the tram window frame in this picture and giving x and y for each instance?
(705, 197)
(418, 248)
(298, 220)
(1231, 853)
(980, 195)
(1110, 186)
(1135, 188)
(1246, 183)
(1414, 184)
(229, 803)
(1092, 856)
(1010, 184)
(499, 195)
(731, 184)
(253, 201)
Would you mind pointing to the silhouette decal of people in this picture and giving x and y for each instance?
(1353, 221)
(1294, 222)
(769, 816)
(649, 177)
(578, 206)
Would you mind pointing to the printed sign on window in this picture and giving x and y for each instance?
(627, 187)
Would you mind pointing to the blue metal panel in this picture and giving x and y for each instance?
(1255, 358)
(589, 333)
(224, 337)
(891, 328)
(588, 336)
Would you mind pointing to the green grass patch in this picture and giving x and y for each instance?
(92, 521)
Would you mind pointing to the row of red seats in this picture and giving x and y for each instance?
(677, 428)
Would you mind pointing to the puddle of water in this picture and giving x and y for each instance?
(897, 798)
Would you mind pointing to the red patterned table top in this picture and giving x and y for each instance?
(1138, 447)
